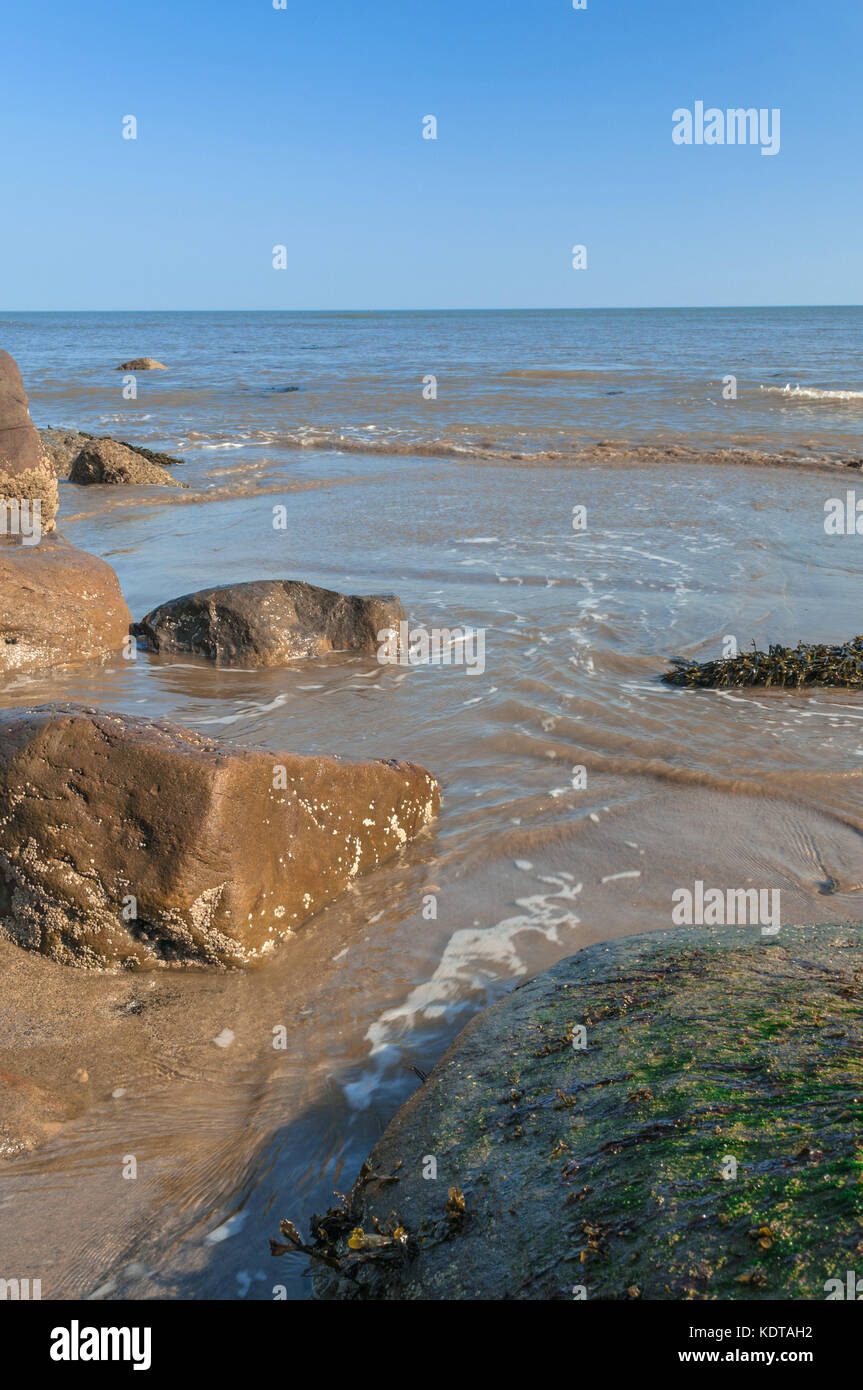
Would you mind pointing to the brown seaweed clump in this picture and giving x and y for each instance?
(804, 664)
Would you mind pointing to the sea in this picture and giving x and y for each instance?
(596, 492)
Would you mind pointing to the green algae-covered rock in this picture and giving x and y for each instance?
(700, 1138)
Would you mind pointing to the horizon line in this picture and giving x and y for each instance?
(463, 309)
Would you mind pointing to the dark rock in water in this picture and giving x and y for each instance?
(268, 622)
(283, 390)
(705, 1144)
(26, 474)
(125, 842)
(142, 364)
(59, 606)
(106, 461)
(64, 446)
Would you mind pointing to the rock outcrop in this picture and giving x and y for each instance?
(670, 1116)
(142, 364)
(59, 606)
(268, 622)
(26, 474)
(63, 447)
(125, 842)
(107, 461)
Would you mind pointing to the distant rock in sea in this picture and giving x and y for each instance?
(59, 606)
(142, 364)
(268, 622)
(106, 461)
(26, 474)
(146, 844)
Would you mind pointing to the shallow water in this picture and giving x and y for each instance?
(739, 789)
(537, 382)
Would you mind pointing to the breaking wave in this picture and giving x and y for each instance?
(566, 451)
(811, 393)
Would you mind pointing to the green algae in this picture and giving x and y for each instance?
(706, 1144)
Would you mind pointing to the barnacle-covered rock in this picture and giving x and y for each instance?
(126, 842)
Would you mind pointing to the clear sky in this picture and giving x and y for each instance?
(303, 127)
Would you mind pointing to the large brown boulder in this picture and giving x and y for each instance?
(26, 474)
(125, 842)
(268, 622)
(58, 606)
(108, 461)
(142, 364)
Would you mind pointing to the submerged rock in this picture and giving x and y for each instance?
(125, 842)
(268, 622)
(26, 474)
(142, 364)
(700, 1140)
(107, 461)
(64, 446)
(59, 606)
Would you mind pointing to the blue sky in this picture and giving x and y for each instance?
(303, 127)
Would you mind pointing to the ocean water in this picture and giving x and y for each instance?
(530, 382)
(579, 791)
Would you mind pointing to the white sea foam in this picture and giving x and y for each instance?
(123, 419)
(809, 393)
(473, 959)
